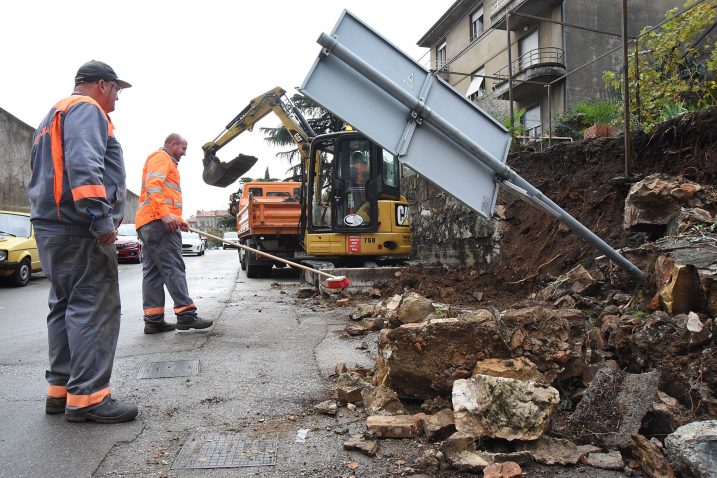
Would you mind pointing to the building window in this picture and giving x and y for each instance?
(476, 89)
(441, 58)
(477, 25)
(531, 122)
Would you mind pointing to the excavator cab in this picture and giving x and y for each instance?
(353, 198)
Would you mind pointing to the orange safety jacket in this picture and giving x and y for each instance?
(77, 184)
(161, 192)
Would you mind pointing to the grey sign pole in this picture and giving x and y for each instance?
(422, 114)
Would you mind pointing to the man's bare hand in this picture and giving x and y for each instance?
(106, 238)
(183, 225)
(171, 223)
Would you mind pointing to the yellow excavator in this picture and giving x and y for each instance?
(351, 205)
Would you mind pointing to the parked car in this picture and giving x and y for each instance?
(129, 247)
(230, 236)
(192, 243)
(18, 249)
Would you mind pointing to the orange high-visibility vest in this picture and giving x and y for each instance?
(161, 192)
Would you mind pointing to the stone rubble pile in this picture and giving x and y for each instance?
(578, 373)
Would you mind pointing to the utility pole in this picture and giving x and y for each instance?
(626, 91)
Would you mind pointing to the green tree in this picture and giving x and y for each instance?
(677, 68)
(267, 176)
(320, 120)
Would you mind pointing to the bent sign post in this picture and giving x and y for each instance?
(418, 117)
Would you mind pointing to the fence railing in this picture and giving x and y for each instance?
(535, 57)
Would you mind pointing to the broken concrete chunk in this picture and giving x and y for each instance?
(507, 469)
(555, 451)
(363, 311)
(398, 426)
(652, 202)
(503, 407)
(439, 425)
(381, 400)
(612, 409)
(393, 303)
(349, 386)
(686, 218)
(518, 368)
(435, 405)
(683, 292)
(414, 308)
(305, 291)
(652, 461)
(460, 451)
(447, 346)
(606, 461)
(374, 323)
(692, 449)
(480, 315)
(577, 280)
(354, 330)
(329, 407)
(359, 443)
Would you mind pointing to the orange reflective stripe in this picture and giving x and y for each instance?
(81, 401)
(56, 391)
(58, 158)
(88, 191)
(154, 310)
(182, 309)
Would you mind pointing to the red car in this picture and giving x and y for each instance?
(129, 247)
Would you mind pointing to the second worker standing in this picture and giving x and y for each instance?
(159, 221)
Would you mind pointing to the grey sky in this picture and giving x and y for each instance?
(193, 65)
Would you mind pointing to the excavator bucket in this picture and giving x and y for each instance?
(220, 174)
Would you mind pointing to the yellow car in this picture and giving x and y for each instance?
(18, 249)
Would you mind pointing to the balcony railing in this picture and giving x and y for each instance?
(533, 58)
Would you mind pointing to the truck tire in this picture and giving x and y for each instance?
(265, 271)
(21, 276)
(252, 268)
(242, 259)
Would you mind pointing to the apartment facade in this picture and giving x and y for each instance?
(548, 56)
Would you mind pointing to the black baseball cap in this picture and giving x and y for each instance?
(96, 70)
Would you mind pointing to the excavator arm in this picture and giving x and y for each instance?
(221, 174)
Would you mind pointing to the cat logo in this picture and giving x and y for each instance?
(401, 214)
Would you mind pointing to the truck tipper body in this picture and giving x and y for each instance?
(268, 216)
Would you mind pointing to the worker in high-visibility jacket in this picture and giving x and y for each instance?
(159, 221)
(77, 194)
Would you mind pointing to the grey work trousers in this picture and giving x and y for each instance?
(162, 265)
(84, 320)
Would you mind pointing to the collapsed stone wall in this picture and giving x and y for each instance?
(444, 229)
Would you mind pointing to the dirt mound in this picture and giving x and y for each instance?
(587, 179)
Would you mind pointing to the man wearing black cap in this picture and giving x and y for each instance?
(77, 193)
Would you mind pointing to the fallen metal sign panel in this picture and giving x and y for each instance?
(389, 122)
(177, 368)
(226, 450)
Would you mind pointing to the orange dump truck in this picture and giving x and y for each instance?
(268, 219)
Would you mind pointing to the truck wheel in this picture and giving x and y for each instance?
(22, 274)
(252, 271)
(265, 271)
(252, 268)
(242, 259)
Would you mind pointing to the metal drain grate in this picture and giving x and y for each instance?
(177, 368)
(226, 450)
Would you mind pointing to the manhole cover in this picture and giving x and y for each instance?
(177, 368)
(226, 450)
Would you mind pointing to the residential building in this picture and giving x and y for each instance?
(207, 219)
(469, 49)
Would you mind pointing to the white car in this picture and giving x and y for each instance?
(230, 236)
(192, 243)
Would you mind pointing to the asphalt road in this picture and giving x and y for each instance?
(262, 365)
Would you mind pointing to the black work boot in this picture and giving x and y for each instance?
(158, 327)
(55, 405)
(194, 322)
(108, 410)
